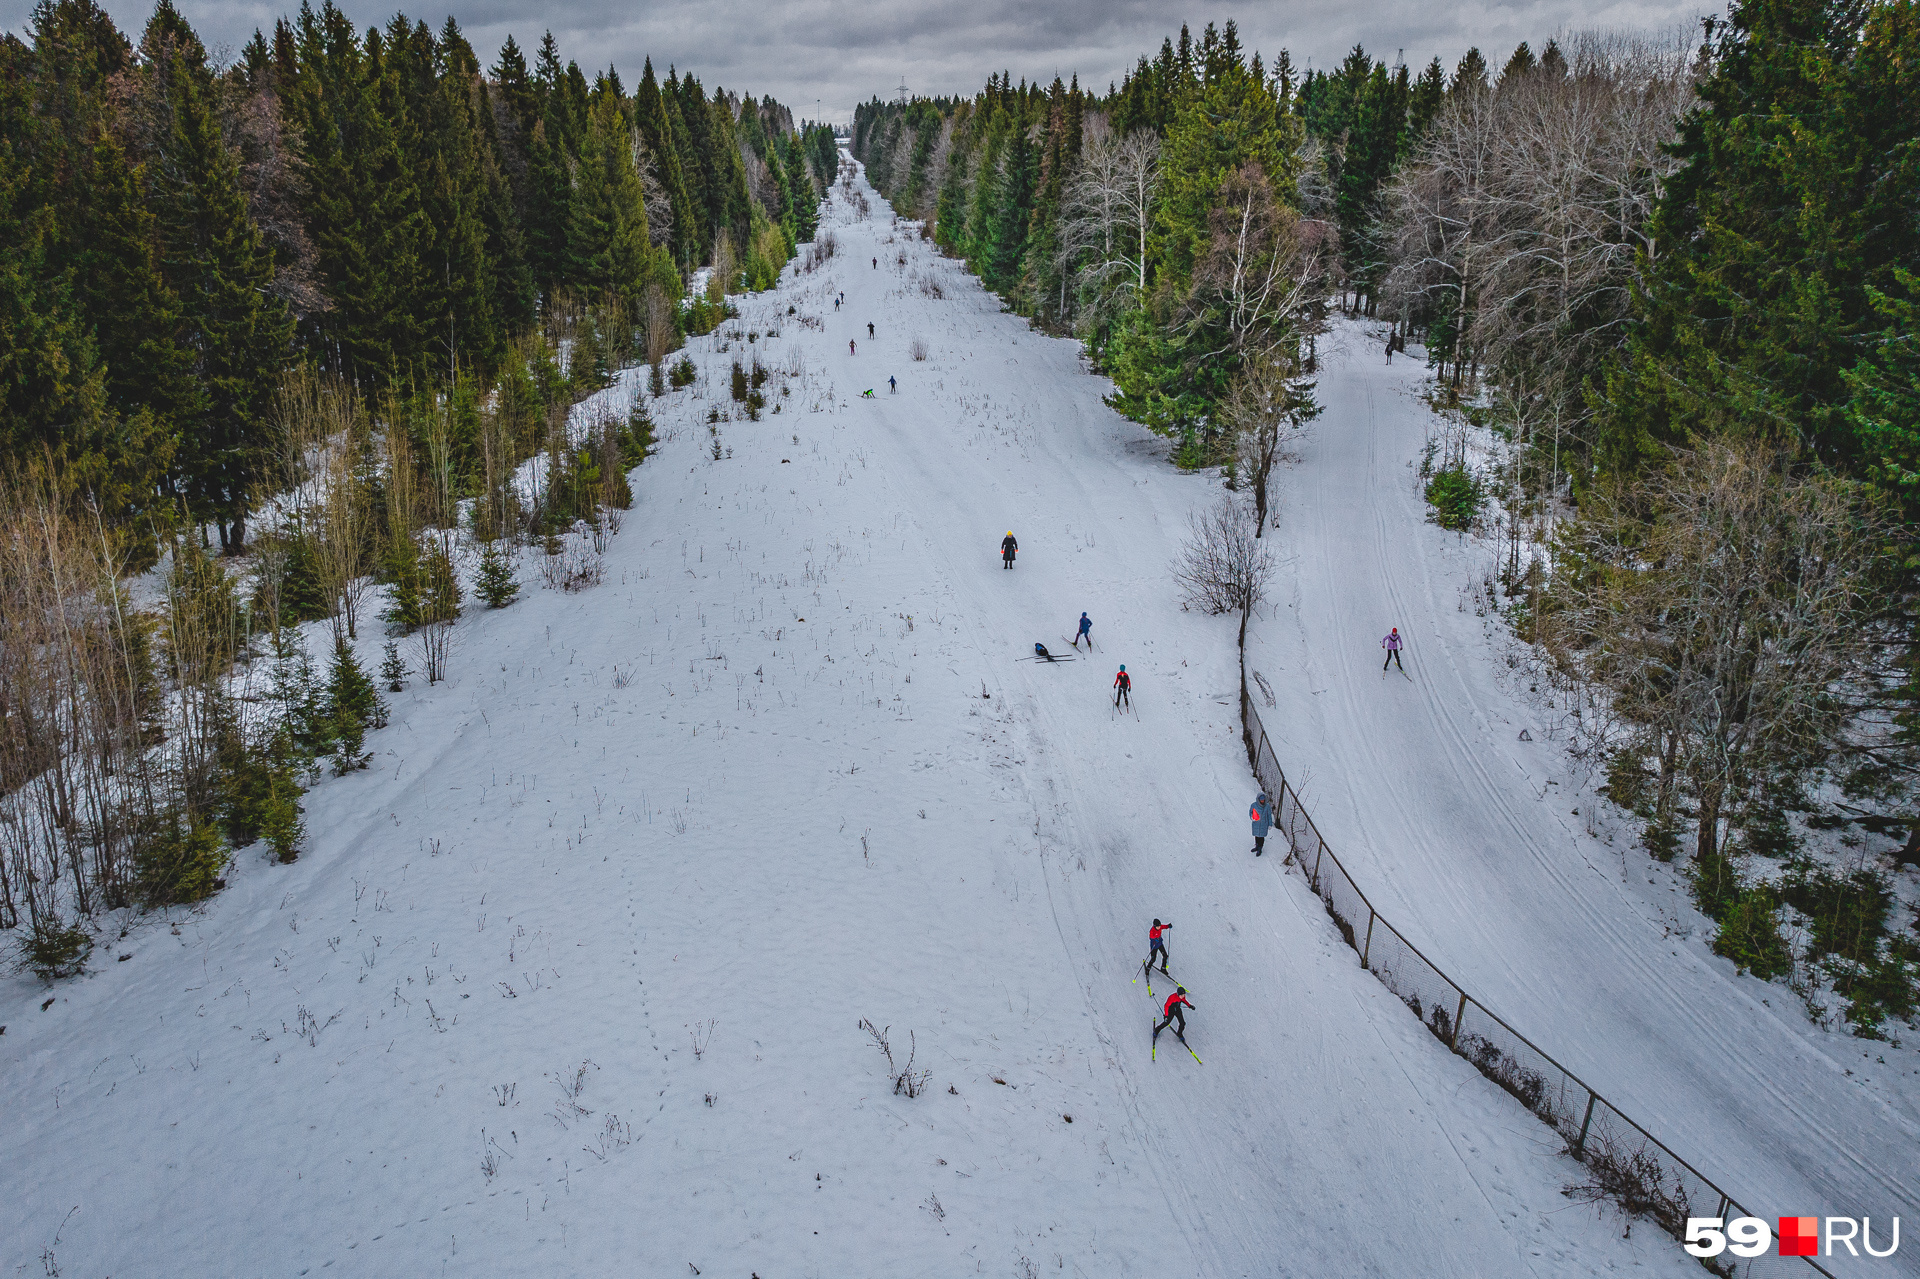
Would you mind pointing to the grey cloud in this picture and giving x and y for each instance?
(840, 53)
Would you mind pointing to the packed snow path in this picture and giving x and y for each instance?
(1476, 845)
(571, 981)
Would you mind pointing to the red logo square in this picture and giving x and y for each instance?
(1799, 1236)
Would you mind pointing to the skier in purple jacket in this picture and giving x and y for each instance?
(1392, 644)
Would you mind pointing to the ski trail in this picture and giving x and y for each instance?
(1411, 786)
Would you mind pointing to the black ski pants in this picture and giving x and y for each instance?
(1008, 557)
(1179, 1014)
(1120, 694)
(1161, 951)
(1393, 659)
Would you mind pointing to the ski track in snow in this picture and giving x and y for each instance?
(1448, 823)
(574, 858)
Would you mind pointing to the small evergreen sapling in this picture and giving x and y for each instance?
(353, 706)
(495, 583)
(392, 668)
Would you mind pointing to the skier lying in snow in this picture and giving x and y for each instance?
(1040, 651)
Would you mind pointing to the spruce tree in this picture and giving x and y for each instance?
(1792, 207)
(495, 582)
(352, 707)
(217, 262)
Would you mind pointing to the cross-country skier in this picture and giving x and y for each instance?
(893, 387)
(1007, 547)
(1262, 815)
(869, 330)
(1122, 685)
(836, 304)
(1391, 642)
(1086, 633)
(1040, 651)
(849, 346)
(876, 264)
(1175, 1012)
(1157, 945)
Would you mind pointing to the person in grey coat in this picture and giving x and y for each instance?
(1262, 815)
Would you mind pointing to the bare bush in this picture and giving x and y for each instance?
(929, 286)
(905, 1078)
(572, 563)
(817, 254)
(1225, 568)
(918, 349)
(1635, 1179)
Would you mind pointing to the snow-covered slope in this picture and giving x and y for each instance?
(1475, 844)
(571, 981)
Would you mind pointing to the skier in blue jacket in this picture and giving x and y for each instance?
(1086, 633)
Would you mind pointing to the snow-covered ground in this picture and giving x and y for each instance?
(571, 981)
(1475, 843)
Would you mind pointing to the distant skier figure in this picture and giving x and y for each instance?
(1262, 816)
(1175, 1010)
(893, 387)
(1007, 548)
(869, 330)
(1389, 348)
(1157, 945)
(1391, 642)
(836, 304)
(1086, 633)
(1040, 651)
(876, 264)
(849, 346)
(1122, 685)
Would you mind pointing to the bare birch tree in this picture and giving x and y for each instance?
(1107, 210)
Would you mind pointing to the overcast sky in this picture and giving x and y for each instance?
(838, 53)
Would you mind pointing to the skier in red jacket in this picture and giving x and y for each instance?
(1157, 945)
(1175, 1012)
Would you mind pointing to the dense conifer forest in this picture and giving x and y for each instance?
(277, 329)
(1666, 288)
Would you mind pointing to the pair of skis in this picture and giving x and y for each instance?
(1154, 1053)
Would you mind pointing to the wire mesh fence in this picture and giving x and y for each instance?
(1625, 1163)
